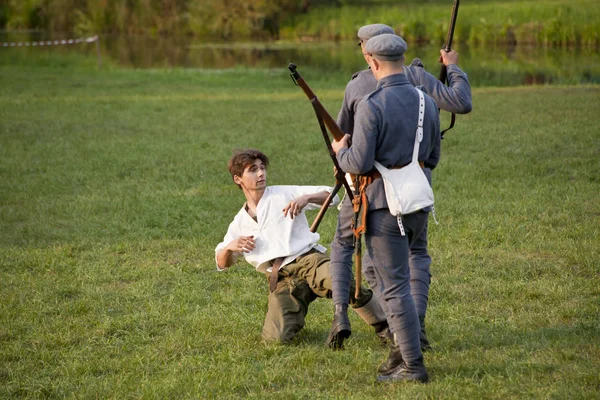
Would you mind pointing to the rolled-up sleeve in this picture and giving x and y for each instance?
(229, 237)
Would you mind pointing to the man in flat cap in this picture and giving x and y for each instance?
(453, 98)
(384, 130)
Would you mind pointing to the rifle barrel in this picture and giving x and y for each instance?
(326, 123)
(447, 47)
(450, 35)
(330, 123)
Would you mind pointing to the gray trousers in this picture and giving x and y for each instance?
(342, 250)
(420, 275)
(389, 250)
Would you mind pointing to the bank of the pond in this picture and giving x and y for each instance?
(486, 65)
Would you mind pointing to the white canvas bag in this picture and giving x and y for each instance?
(407, 189)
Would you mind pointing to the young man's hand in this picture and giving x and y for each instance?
(295, 207)
(244, 244)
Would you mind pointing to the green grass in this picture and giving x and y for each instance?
(114, 192)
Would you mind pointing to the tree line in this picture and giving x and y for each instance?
(481, 22)
(224, 19)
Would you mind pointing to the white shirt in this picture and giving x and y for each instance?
(275, 235)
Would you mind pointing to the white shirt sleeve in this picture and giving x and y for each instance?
(229, 237)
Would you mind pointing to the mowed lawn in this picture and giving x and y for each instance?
(114, 192)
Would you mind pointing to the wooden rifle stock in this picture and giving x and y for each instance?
(323, 210)
(447, 47)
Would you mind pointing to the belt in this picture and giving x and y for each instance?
(375, 174)
(274, 277)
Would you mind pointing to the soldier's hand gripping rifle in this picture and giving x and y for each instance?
(325, 121)
(447, 47)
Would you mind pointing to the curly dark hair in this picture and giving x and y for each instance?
(241, 159)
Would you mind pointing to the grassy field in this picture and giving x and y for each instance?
(114, 192)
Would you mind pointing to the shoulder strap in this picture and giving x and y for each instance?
(419, 134)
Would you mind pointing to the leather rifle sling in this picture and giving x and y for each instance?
(274, 277)
(361, 207)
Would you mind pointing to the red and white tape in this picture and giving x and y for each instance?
(50, 42)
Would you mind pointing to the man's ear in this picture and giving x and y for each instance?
(237, 179)
(376, 64)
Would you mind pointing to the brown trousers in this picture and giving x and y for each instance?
(300, 283)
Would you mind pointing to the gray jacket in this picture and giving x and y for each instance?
(455, 98)
(384, 130)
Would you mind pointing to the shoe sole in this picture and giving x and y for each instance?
(336, 340)
(388, 371)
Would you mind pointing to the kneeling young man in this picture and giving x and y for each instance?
(271, 231)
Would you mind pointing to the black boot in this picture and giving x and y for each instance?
(340, 328)
(393, 361)
(407, 372)
(425, 345)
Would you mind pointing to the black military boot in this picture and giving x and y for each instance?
(407, 372)
(340, 328)
(393, 361)
(425, 345)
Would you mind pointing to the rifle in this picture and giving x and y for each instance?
(325, 121)
(447, 47)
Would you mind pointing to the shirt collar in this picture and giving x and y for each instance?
(392, 80)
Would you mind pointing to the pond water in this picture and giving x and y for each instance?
(486, 66)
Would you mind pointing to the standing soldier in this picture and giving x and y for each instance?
(454, 98)
(384, 131)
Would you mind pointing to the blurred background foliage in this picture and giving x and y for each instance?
(216, 18)
(550, 23)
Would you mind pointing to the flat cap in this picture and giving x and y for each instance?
(386, 47)
(368, 31)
